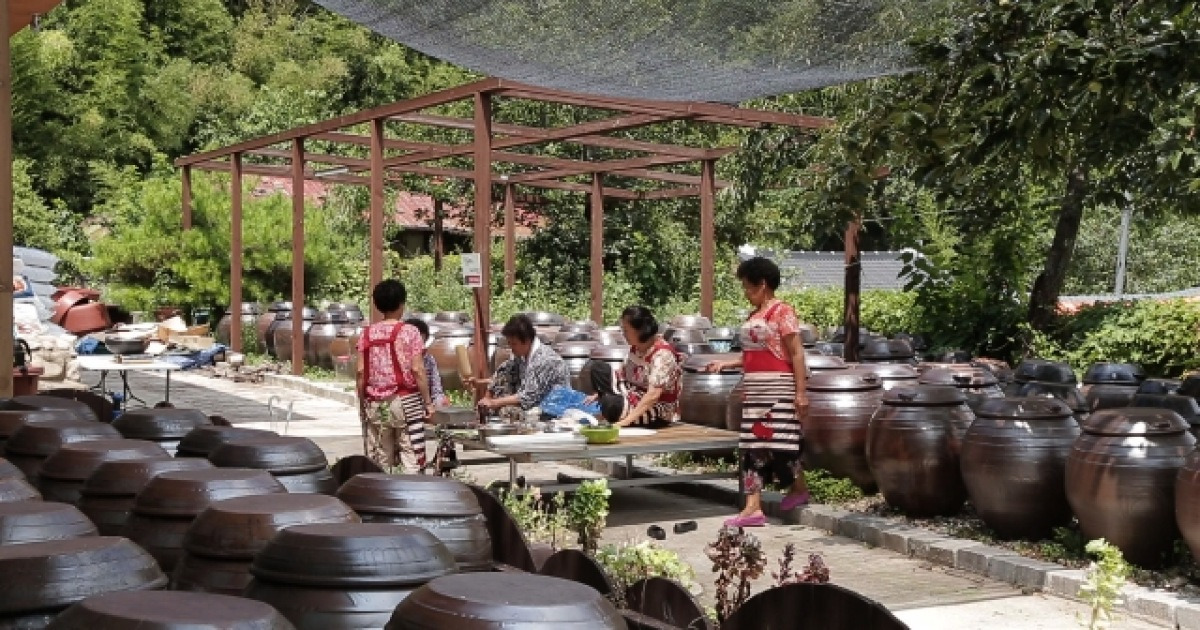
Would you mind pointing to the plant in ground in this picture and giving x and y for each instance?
(1106, 576)
(541, 521)
(629, 563)
(587, 511)
(829, 490)
(738, 560)
(815, 573)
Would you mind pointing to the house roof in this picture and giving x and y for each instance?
(801, 270)
(413, 211)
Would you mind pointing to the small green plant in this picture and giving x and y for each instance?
(685, 461)
(629, 563)
(829, 490)
(541, 521)
(460, 398)
(587, 512)
(1106, 576)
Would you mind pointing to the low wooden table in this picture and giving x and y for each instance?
(675, 438)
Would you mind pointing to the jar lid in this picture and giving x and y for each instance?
(1023, 409)
(924, 396)
(1135, 421)
(845, 381)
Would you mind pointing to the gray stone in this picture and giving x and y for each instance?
(1021, 571)
(920, 545)
(978, 559)
(946, 551)
(1187, 614)
(1065, 583)
(1157, 605)
(851, 526)
(896, 537)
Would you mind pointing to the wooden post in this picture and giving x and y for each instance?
(298, 257)
(6, 209)
(375, 275)
(187, 197)
(439, 243)
(853, 284)
(510, 237)
(708, 237)
(483, 226)
(597, 246)
(235, 256)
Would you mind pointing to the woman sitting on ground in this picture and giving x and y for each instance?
(645, 389)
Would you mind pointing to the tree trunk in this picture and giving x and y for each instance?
(852, 286)
(1043, 300)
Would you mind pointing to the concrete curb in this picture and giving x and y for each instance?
(330, 391)
(997, 563)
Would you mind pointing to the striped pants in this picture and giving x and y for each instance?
(394, 434)
(771, 437)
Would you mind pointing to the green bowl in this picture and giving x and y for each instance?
(600, 435)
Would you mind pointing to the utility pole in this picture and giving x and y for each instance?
(1123, 247)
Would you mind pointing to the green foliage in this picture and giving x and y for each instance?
(1157, 242)
(628, 563)
(587, 511)
(541, 521)
(1106, 577)
(148, 260)
(829, 490)
(1162, 336)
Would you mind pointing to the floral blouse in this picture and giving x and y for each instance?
(767, 327)
(659, 367)
(383, 381)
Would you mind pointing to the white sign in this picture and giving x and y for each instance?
(472, 269)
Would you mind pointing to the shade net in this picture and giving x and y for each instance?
(708, 50)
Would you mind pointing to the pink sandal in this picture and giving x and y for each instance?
(793, 501)
(754, 520)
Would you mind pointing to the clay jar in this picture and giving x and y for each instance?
(55, 403)
(1014, 460)
(445, 507)
(575, 354)
(62, 474)
(165, 508)
(249, 316)
(704, 399)
(1111, 385)
(514, 601)
(50, 576)
(319, 338)
(1187, 502)
(107, 495)
(201, 441)
(444, 351)
(13, 489)
(892, 375)
(1066, 392)
(835, 433)
(38, 521)
(1121, 480)
(8, 471)
(297, 462)
(31, 444)
(913, 448)
(167, 610)
(264, 326)
(345, 576)
(166, 426)
(223, 540)
(978, 384)
(13, 419)
(886, 351)
(1185, 406)
(282, 331)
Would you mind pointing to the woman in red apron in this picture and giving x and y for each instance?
(772, 436)
(393, 388)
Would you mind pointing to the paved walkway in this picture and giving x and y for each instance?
(923, 595)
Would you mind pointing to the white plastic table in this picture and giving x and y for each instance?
(108, 363)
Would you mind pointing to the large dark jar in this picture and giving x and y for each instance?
(835, 433)
(1121, 480)
(1014, 461)
(913, 448)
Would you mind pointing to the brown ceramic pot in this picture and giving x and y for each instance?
(282, 331)
(37, 521)
(705, 396)
(1121, 480)
(249, 317)
(1068, 393)
(186, 493)
(167, 610)
(316, 482)
(62, 474)
(31, 444)
(108, 493)
(819, 363)
(686, 336)
(733, 410)
(445, 507)
(891, 374)
(100, 405)
(1186, 406)
(275, 454)
(978, 384)
(352, 554)
(316, 608)
(55, 403)
(166, 426)
(444, 352)
(913, 445)
(240, 527)
(13, 489)
(8, 470)
(886, 351)
(1187, 502)
(12, 419)
(318, 339)
(835, 433)
(576, 355)
(1014, 460)
(265, 326)
(161, 536)
(199, 574)
(514, 601)
(55, 574)
(201, 441)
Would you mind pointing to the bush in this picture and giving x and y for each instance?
(829, 490)
(1162, 336)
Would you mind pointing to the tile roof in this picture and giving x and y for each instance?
(880, 270)
(413, 211)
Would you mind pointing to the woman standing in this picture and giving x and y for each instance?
(772, 438)
(645, 390)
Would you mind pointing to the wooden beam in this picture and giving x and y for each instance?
(672, 193)
(298, 257)
(318, 158)
(598, 167)
(597, 248)
(375, 246)
(708, 237)
(187, 197)
(333, 124)
(482, 147)
(558, 162)
(6, 208)
(235, 255)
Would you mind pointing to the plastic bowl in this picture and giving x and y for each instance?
(600, 435)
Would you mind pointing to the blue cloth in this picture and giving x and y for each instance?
(560, 399)
(195, 359)
(89, 345)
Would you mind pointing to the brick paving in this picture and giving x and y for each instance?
(924, 595)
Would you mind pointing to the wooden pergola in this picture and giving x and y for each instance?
(389, 159)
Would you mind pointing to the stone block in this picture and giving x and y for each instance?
(1157, 605)
(946, 552)
(978, 559)
(1021, 571)
(920, 545)
(1065, 582)
(1187, 613)
(896, 537)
